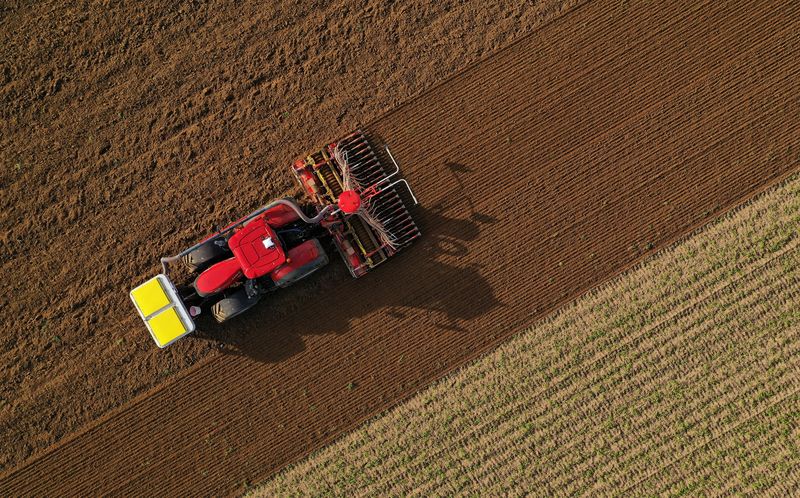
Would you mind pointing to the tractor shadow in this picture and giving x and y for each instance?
(433, 278)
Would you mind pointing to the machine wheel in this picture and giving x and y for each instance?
(233, 305)
(203, 256)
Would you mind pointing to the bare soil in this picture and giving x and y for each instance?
(542, 171)
(128, 130)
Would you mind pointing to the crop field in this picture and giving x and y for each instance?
(553, 145)
(679, 377)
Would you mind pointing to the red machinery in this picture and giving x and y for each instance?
(354, 207)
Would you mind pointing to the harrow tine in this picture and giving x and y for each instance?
(383, 224)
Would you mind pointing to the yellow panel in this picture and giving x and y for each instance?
(166, 326)
(150, 297)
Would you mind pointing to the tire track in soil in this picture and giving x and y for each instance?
(485, 153)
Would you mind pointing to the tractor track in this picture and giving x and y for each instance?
(542, 171)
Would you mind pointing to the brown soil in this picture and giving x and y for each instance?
(105, 108)
(542, 171)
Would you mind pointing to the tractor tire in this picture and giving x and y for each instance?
(233, 305)
(208, 253)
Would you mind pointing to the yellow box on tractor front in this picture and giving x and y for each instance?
(162, 310)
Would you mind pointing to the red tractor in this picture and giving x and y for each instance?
(353, 208)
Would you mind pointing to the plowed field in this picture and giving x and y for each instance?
(115, 114)
(541, 171)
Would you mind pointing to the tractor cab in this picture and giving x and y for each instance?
(259, 252)
(257, 248)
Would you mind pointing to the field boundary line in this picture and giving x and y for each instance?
(559, 307)
(516, 327)
(569, 10)
(516, 408)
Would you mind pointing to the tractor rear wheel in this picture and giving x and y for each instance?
(233, 305)
(209, 252)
